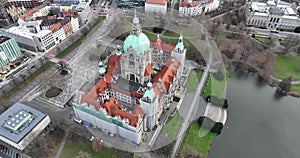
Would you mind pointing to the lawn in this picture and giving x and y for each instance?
(153, 36)
(150, 35)
(287, 65)
(172, 126)
(195, 143)
(215, 87)
(80, 40)
(72, 149)
(171, 34)
(295, 88)
(193, 80)
(261, 39)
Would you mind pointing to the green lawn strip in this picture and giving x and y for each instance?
(295, 88)
(285, 66)
(171, 34)
(215, 87)
(72, 149)
(193, 80)
(94, 28)
(172, 126)
(79, 40)
(153, 36)
(150, 35)
(194, 140)
(262, 39)
(12, 92)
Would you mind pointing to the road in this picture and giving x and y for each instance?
(268, 33)
(173, 3)
(186, 120)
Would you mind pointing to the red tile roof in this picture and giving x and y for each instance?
(101, 85)
(158, 44)
(148, 70)
(187, 4)
(29, 13)
(162, 2)
(55, 27)
(113, 64)
(111, 106)
(167, 73)
(115, 109)
(91, 98)
(72, 14)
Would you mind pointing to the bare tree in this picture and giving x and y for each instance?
(96, 145)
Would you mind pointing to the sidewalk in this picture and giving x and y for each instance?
(279, 80)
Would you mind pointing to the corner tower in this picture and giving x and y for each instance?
(179, 53)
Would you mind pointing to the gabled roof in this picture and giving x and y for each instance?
(111, 106)
(167, 73)
(64, 21)
(113, 64)
(162, 2)
(72, 14)
(148, 70)
(29, 13)
(159, 45)
(115, 109)
(101, 85)
(185, 3)
(55, 27)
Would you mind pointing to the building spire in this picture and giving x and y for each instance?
(135, 19)
(136, 27)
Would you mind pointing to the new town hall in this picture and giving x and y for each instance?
(137, 82)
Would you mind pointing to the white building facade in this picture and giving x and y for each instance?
(156, 6)
(273, 15)
(195, 8)
(75, 24)
(41, 41)
(58, 33)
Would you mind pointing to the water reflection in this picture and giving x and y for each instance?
(261, 123)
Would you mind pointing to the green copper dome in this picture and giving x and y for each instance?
(140, 43)
(102, 70)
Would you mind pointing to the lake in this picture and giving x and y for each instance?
(260, 123)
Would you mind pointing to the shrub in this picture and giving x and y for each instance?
(219, 75)
(209, 124)
(217, 101)
(157, 30)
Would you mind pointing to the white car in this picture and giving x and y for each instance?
(92, 138)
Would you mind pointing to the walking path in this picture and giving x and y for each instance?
(62, 145)
(186, 120)
(279, 80)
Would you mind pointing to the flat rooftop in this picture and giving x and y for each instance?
(3, 39)
(127, 85)
(17, 121)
